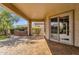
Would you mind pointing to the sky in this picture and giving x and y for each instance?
(21, 22)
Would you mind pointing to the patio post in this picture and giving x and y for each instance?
(30, 25)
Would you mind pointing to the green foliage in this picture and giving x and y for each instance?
(7, 20)
(2, 37)
(20, 26)
(36, 30)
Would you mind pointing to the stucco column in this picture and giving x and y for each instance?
(30, 26)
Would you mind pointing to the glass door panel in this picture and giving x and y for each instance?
(54, 28)
(64, 28)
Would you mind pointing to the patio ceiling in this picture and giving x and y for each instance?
(38, 11)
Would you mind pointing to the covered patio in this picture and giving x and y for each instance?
(60, 29)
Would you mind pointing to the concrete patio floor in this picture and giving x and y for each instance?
(26, 46)
(62, 49)
(37, 45)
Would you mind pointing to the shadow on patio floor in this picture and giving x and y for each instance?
(62, 49)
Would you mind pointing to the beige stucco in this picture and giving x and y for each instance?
(39, 11)
(47, 29)
(76, 24)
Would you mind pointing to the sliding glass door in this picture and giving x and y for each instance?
(62, 28)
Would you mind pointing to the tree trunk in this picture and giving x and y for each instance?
(5, 33)
(8, 33)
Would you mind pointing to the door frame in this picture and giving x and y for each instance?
(73, 25)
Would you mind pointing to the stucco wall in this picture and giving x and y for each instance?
(76, 24)
(20, 33)
(47, 28)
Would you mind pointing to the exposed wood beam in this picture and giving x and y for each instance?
(16, 10)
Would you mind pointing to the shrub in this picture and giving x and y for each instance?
(36, 30)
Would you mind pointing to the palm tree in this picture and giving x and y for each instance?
(7, 20)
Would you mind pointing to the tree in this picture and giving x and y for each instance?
(7, 20)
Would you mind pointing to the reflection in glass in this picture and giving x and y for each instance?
(60, 28)
(54, 25)
(64, 25)
(54, 28)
